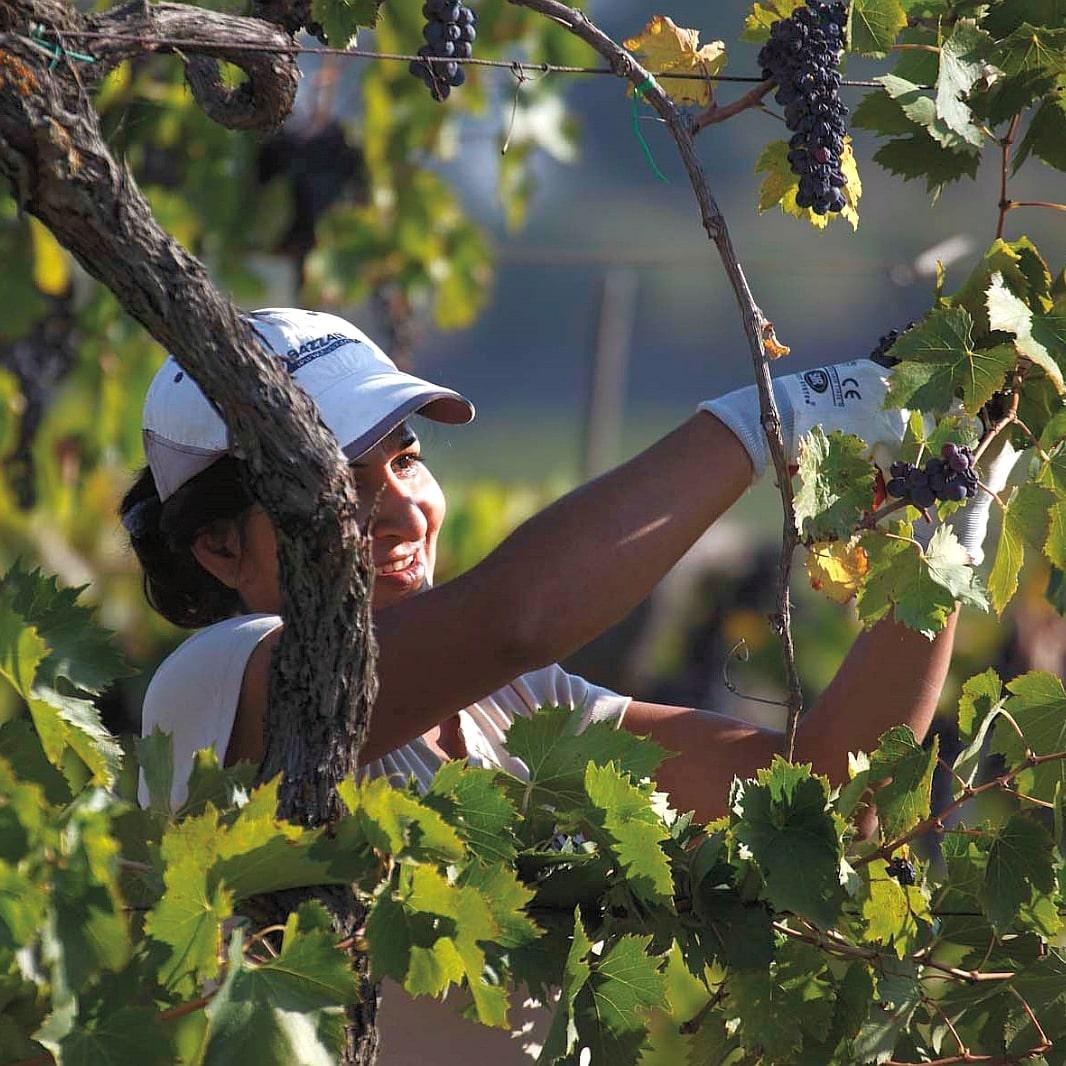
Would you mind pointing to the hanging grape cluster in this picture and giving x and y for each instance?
(902, 870)
(882, 353)
(949, 477)
(450, 33)
(802, 56)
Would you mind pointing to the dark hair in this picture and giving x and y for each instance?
(162, 534)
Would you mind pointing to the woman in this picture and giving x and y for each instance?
(459, 662)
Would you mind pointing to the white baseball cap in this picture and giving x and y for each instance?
(360, 392)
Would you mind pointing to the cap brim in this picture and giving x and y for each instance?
(360, 418)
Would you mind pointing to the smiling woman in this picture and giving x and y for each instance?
(459, 663)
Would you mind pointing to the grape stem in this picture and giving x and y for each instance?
(995, 496)
(719, 113)
(875, 516)
(935, 823)
(758, 328)
(1005, 146)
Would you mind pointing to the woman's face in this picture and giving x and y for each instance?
(401, 503)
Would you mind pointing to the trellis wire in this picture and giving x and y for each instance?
(512, 65)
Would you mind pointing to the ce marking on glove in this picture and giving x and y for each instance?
(851, 389)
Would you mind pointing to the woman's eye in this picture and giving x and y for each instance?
(407, 463)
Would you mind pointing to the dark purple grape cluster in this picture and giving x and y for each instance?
(802, 56)
(882, 353)
(949, 477)
(450, 33)
(902, 871)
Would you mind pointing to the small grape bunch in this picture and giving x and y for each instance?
(902, 871)
(949, 477)
(450, 33)
(882, 353)
(803, 57)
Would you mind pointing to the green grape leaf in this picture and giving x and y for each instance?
(921, 110)
(1010, 315)
(781, 185)
(22, 650)
(1046, 136)
(1022, 271)
(919, 589)
(290, 1009)
(904, 800)
(23, 907)
(1037, 703)
(961, 64)
(410, 943)
(836, 484)
(879, 112)
(20, 745)
(548, 743)
(155, 755)
(1006, 16)
(341, 19)
(778, 1010)
(898, 996)
(80, 651)
(1031, 51)
(507, 898)
(633, 832)
(891, 911)
(741, 933)
(1020, 868)
(562, 1038)
(397, 824)
(1025, 521)
(65, 722)
(609, 1009)
(1055, 593)
(1055, 545)
(980, 694)
(938, 362)
(188, 919)
(210, 782)
(762, 16)
(919, 156)
(470, 800)
(784, 819)
(874, 25)
(128, 1036)
(255, 852)
(88, 933)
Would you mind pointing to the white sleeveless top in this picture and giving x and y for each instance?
(194, 696)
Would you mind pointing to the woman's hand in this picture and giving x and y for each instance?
(846, 396)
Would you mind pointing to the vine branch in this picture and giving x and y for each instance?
(757, 327)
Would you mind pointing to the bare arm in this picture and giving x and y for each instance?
(559, 580)
(891, 676)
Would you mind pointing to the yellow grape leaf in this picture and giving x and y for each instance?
(51, 271)
(666, 47)
(836, 568)
(780, 185)
(757, 24)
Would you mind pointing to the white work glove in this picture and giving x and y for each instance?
(846, 396)
(970, 523)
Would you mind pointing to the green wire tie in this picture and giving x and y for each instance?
(56, 51)
(638, 92)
